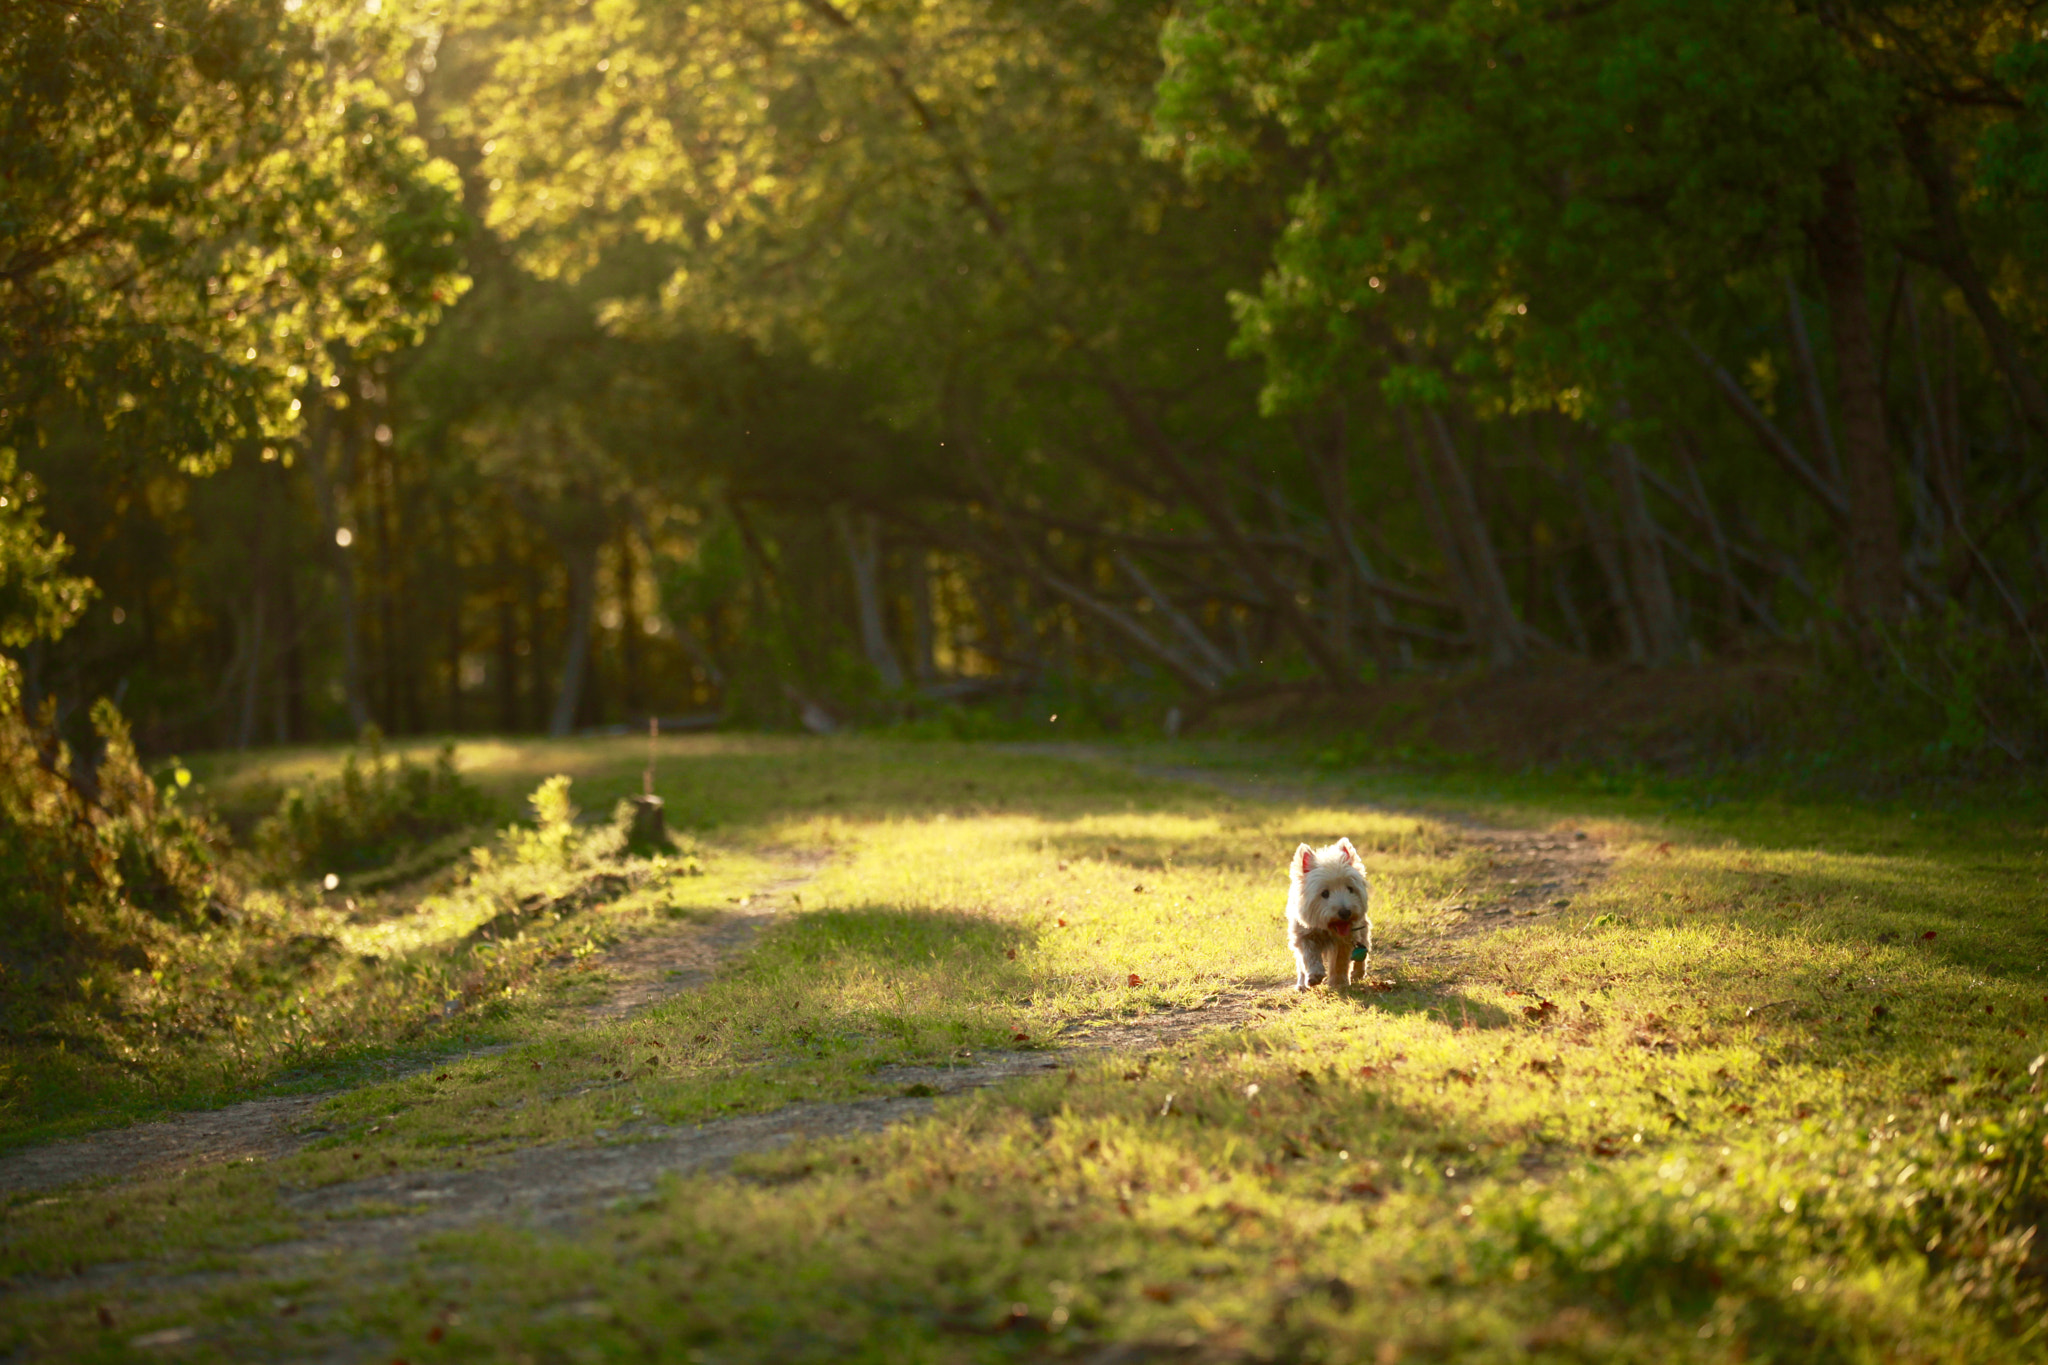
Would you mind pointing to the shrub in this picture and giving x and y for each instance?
(369, 814)
(554, 840)
(96, 876)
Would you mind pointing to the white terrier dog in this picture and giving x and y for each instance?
(1327, 924)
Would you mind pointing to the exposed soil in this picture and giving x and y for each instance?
(253, 1130)
(655, 966)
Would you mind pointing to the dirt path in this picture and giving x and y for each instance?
(640, 971)
(655, 966)
(251, 1131)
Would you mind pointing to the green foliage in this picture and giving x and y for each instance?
(37, 599)
(370, 813)
(255, 197)
(94, 885)
(555, 841)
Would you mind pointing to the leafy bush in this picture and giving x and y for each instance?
(97, 876)
(554, 840)
(370, 814)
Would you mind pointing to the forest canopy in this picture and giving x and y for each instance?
(517, 366)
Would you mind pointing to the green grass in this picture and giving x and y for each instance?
(1765, 1117)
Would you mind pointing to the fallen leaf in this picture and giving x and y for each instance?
(1927, 937)
(435, 1332)
(1159, 1293)
(1739, 1110)
(1365, 1189)
(1010, 953)
(1063, 924)
(1136, 980)
(1139, 888)
(1663, 849)
(1019, 1035)
(106, 1315)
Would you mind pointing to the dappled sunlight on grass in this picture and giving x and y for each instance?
(1728, 1103)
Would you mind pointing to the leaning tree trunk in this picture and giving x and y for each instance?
(1333, 470)
(1601, 540)
(1875, 585)
(859, 534)
(581, 558)
(1952, 254)
(1655, 606)
(1495, 624)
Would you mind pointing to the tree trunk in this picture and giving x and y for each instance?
(1496, 626)
(924, 641)
(860, 535)
(1774, 441)
(1658, 613)
(252, 680)
(1568, 608)
(1945, 466)
(581, 562)
(291, 689)
(1353, 566)
(1439, 528)
(1809, 381)
(1875, 586)
(633, 681)
(508, 640)
(1203, 646)
(320, 439)
(1952, 255)
(1601, 540)
(1703, 511)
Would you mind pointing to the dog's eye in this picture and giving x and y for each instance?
(1326, 895)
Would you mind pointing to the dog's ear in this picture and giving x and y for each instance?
(1347, 852)
(1304, 859)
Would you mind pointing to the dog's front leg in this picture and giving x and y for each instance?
(1308, 966)
(1359, 964)
(1338, 958)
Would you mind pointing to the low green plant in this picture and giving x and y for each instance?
(367, 815)
(556, 840)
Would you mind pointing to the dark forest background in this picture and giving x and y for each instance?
(525, 367)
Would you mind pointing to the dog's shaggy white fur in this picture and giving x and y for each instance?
(1327, 898)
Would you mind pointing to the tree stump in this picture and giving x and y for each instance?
(650, 825)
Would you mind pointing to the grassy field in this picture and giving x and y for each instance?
(1770, 1090)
